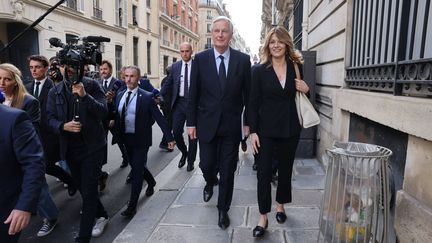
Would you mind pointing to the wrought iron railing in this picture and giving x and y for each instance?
(391, 48)
(97, 13)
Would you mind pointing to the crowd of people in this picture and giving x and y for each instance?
(217, 96)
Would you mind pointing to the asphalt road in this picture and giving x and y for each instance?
(114, 198)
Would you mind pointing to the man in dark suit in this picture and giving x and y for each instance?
(110, 86)
(22, 172)
(165, 105)
(178, 83)
(135, 113)
(82, 142)
(220, 82)
(39, 88)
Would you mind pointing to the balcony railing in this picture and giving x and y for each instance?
(166, 43)
(208, 46)
(72, 4)
(97, 12)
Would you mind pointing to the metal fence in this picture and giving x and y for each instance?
(391, 47)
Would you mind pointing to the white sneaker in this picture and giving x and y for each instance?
(99, 226)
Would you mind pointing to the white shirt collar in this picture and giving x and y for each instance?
(226, 54)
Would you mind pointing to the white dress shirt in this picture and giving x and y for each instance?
(189, 63)
(130, 110)
(226, 56)
(40, 86)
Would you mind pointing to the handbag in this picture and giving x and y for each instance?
(308, 117)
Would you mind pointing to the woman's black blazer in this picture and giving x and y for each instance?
(272, 109)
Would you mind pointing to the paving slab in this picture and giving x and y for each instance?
(194, 215)
(302, 236)
(181, 234)
(313, 182)
(195, 196)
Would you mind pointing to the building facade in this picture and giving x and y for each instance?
(374, 86)
(178, 23)
(132, 26)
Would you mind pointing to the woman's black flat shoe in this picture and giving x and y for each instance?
(259, 231)
(281, 217)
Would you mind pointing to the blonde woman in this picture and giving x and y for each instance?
(16, 94)
(274, 125)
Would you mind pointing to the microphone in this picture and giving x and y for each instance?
(116, 86)
(2, 97)
(91, 38)
(56, 42)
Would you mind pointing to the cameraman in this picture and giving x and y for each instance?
(82, 142)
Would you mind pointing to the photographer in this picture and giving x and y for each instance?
(82, 141)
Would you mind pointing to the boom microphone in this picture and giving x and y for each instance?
(56, 42)
(91, 38)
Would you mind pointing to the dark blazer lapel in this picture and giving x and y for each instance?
(110, 86)
(176, 78)
(45, 89)
(139, 95)
(232, 67)
(31, 87)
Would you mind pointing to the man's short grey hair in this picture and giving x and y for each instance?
(223, 18)
(134, 68)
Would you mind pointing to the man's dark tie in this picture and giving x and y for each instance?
(106, 84)
(186, 80)
(222, 72)
(36, 94)
(123, 113)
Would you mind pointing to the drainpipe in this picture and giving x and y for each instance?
(274, 13)
(305, 24)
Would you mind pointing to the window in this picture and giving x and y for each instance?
(72, 4)
(208, 28)
(97, 11)
(121, 13)
(208, 2)
(165, 64)
(190, 23)
(148, 3)
(164, 6)
(165, 36)
(148, 21)
(174, 59)
(183, 18)
(148, 57)
(175, 13)
(134, 15)
(135, 51)
(208, 45)
(118, 59)
(209, 15)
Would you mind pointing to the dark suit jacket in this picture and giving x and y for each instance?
(46, 135)
(22, 170)
(173, 83)
(93, 109)
(144, 83)
(146, 111)
(211, 108)
(31, 107)
(272, 109)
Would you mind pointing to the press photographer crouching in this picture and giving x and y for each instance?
(76, 108)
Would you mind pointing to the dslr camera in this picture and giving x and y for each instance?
(76, 55)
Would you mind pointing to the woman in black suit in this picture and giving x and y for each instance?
(275, 128)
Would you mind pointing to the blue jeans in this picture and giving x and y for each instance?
(46, 207)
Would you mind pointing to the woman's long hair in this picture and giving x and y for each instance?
(283, 35)
(19, 91)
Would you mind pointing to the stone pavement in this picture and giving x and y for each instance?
(177, 212)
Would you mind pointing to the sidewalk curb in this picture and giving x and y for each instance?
(170, 181)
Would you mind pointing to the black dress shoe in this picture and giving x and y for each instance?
(129, 212)
(224, 220)
(124, 164)
(71, 190)
(259, 231)
(103, 181)
(190, 167)
(208, 192)
(128, 179)
(254, 166)
(150, 190)
(182, 161)
(281, 217)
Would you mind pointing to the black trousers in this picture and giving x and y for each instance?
(52, 156)
(283, 150)
(220, 155)
(84, 167)
(178, 122)
(138, 162)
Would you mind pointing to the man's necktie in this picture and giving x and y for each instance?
(222, 72)
(106, 84)
(123, 113)
(36, 93)
(186, 81)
